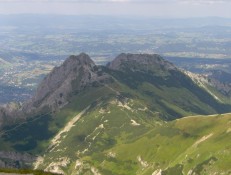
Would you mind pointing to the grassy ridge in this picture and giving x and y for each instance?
(113, 144)
(200, 144)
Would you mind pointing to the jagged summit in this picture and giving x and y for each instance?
(134, 71)
(81, 59)
(76, 73)
(143, 62)
(73, 75)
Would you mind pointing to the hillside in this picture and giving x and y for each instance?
(133, 145)
(123, 118)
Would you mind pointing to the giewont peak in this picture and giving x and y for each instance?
(80, 60)
(76, 73)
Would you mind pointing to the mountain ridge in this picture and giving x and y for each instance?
(53, 93)
(78, 72)
(113, 109)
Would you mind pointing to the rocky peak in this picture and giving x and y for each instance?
(73, 61)
(74, 74)
(144, 62)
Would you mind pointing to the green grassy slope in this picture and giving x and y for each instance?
(198, 145)
(125, 137)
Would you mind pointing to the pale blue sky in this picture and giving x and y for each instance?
(152, 8)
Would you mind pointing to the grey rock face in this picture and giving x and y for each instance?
(10, 112)
(17, 156)
(73, 75)
(15, 160)
(221, 81)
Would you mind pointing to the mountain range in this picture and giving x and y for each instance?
(139, 114)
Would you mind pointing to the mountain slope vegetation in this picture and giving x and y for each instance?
(123, 118)
(130, 145)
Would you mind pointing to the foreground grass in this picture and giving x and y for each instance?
(24, 171)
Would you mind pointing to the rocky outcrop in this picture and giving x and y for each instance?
(15, 160)
(76, 73)
(10, 113)
(221, 81)
(145, 62)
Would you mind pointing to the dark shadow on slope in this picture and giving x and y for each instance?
(25, 136)
(171, 79)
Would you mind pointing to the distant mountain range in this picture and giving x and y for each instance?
(129, 117)
(112, 22)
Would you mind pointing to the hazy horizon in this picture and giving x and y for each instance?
(145, 8)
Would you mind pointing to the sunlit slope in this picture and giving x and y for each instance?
(125, 137)
(192, 145)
